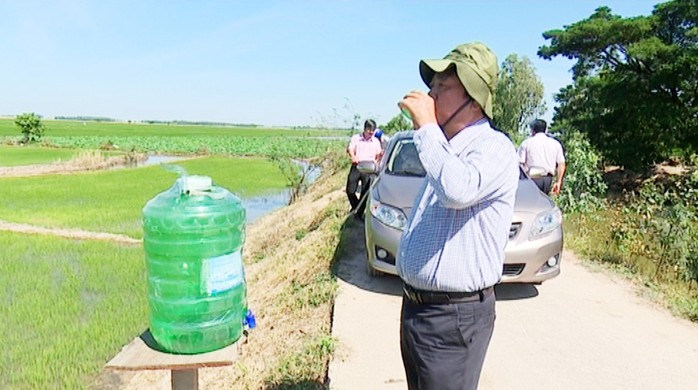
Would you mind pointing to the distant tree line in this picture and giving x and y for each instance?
(85, 118)
(200, 123)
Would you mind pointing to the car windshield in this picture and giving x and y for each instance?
(405, 160)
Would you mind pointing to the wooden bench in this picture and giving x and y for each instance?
(142, 354)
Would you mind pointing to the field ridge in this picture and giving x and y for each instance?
(67, 233)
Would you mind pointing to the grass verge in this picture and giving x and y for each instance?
(291, 288)
(590, 236)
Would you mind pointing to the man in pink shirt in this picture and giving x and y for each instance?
(545, 155)
(362, 147)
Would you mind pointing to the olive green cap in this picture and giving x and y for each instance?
(477, 69)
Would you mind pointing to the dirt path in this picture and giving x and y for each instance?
(582, 330)
(67, 233)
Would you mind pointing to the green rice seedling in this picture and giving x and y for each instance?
(66, 308)
(111, 201)
(11, 156)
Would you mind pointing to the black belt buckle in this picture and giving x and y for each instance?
(412, 296)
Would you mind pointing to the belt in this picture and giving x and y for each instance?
(440, 298)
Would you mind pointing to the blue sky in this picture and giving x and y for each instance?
(266, 62)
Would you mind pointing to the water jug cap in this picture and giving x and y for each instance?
(196, 184)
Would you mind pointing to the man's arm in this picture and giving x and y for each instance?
(461, 181)
(522, 156)
(560, 174)
(351, 149)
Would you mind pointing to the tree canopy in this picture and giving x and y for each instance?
(635, 82)
(519, 95)
(31, 127)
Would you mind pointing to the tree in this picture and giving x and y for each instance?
(31, 127)
(397, 123)
(584, 185)
(519, 96)
(635, 82)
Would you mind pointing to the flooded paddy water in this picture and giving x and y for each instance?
(256, 206)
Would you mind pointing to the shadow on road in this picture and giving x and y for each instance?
(349, 261)
(349, 264)
(515, 291)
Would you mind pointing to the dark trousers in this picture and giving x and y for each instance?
(352, 184)
(545, 183)
(443, 345)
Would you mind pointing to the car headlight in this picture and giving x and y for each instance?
(391, 216)
(545, 223)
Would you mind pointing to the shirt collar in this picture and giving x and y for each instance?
(469, 133)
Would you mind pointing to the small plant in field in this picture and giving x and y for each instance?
(109, 145)
(296, 172)
(31, 127)
(301, 233)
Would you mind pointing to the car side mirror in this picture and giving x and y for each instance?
(367, 167)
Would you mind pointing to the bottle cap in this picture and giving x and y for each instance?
(195, 184)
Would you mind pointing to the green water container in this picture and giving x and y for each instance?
(193, 238)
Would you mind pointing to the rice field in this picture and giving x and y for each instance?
(68, 305)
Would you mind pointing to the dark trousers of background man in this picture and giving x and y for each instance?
(545, 183)
(352, 185)
(444, 345)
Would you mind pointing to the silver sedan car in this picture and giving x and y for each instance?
(533, 252)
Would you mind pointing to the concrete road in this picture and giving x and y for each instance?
(581, 330)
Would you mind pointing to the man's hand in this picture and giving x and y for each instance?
(421, 106)
(557, 187)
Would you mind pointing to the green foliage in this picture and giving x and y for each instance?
(31, 127)
(583, 187)
(659, 222)
(298, 173)
(301, 147)
(121, 129)
(635, 89)
(611, 237)
(519, 96)
(302, 144)
(397, 123)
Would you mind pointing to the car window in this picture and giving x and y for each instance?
(405, 160)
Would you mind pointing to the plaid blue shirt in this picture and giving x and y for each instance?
(454, 239)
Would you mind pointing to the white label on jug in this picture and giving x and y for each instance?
(222, 273)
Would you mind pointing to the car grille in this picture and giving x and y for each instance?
(513, 269)
(514, 230)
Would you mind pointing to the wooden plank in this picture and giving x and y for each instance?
(142, 354)
(185, 380)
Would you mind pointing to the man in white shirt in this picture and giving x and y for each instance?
(542, 157)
